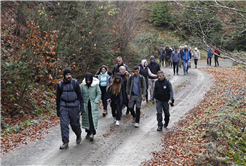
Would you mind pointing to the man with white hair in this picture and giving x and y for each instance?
(196, 55)
(117, 66)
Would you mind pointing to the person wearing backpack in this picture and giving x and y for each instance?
(92, 94)
(216, 56)
(105, 79)
(145, 71)
(117, 66)
(69, 106)
(163, 93)
(209, 56)
(136, 92)
(186, 59)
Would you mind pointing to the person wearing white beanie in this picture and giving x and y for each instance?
(196, 55)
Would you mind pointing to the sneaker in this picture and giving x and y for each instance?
(91, 137)
(133, 119)
(78, 140)
(174, 74)
(177, 73)
(184, 73)
(65, 145)
(117, 123)
(105, 112)
(114, 120)
(159, 128)
(165, 125)
(136, 125)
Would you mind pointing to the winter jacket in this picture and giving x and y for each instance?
(162, 53)
(116, 68)
(196, 54)
(216, 52)
(109, 78)
(141, 85)
(209, 53)
(186, 55)
(163, 90)
(175, 57)
(68, 97)
(145, 71)
(93, 93)
(120, 96)
(154, 68)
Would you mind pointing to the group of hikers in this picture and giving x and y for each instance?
(121, 90)
(118, 88)
(169, 57)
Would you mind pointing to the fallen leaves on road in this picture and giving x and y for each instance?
(213, 132)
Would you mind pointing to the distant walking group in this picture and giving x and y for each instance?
(216, 53)
(119, 88)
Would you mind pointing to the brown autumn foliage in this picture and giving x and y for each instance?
(192, 138)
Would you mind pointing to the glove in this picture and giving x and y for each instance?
(58, 113)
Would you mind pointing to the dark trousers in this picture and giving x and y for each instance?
(147, 95)
(103, 97)
(165, 106)
(69, 115)
(162, 60)
(92, 129)
(116, 110)
(209, 61)
(216, 60)
(195, 61)
(176, 65)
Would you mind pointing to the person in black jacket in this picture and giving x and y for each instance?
(117, 66)
(154, 68)
(70, 105)
(124, 82)
(163, 93)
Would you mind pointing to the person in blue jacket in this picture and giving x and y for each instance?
(185, 59)
(209, 56)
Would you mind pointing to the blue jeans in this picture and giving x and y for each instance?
(185, 65)
(165, 106)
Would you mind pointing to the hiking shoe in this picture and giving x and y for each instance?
(91, 137)
(177, 73)
(133, 119)
(78, 140)
(114, 120)
(117, 123)
(136, 125)
(87, 136)
(184, 73)
(165, 125)
(127, 112)
(105, 112)
(65, 145)
(159, 128)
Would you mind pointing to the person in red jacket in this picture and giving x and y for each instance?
(216, 56)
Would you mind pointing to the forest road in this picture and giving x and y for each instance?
(118, 145)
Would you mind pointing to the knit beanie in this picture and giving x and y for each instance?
(66, 70)
(152, 58)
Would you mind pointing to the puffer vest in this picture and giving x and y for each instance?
(69, 97)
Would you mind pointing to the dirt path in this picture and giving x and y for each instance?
(117, 145)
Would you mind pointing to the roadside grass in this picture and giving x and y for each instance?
(214, 132)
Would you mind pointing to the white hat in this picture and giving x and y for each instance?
(195, 48)
(186, 46)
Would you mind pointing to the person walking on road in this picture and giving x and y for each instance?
(92, 94)
(163, 93)
(181, 48)
(216, 56)
(117, 66)
(154, 68)
(175, 58)
(105, 79)
(209, 56)
(124, 78)
(69, 102)
(145, 71)
(196, 56)
(162, 55)
(115, 96)
(185, 59)
(136, 92)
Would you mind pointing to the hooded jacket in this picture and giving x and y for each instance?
(93, 93)
(196, 54)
